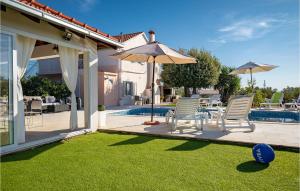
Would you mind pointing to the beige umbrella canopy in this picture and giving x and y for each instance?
(154, 52)
(252, 67)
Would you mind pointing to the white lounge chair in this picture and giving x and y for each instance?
(275, 101)
(237, 110)
(294, 105)
(186, 109)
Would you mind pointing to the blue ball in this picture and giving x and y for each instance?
(263, 153)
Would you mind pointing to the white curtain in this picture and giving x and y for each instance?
(69, 67)
(25, 48)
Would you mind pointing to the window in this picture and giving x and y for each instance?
(6, 94)
(128, 86)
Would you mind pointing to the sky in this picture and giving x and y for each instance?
(235, 31)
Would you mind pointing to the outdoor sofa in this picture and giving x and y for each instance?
(48, 103)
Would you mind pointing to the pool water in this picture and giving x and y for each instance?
(282, 116)
(254, 115)
(159, 111)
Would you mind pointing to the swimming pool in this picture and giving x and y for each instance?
(254, 115)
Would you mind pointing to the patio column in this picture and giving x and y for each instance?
(90, 67)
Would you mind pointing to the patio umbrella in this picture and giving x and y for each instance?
(252, 67)
(154, 52)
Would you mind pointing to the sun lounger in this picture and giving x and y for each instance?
(276, 100)
(237, 110)
(186, 109)
(294, 105)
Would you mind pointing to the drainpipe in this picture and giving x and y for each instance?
(120, 88)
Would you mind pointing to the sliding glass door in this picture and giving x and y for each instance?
(6, 89)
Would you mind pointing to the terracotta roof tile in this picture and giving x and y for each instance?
(42, 7)
(125, 37)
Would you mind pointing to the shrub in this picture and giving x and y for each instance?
(228, 84)
(291, 93)
(101, 107)
(268, 92)
(40, 86)
(258, 98)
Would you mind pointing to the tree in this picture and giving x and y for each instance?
(291, 93)
(227, 84)
(258, 98)
(201, 75)
(268, 92)
(206, 71)
(39, 86)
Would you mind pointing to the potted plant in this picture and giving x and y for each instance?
(101, 116)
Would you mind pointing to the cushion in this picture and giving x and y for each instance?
(50, 99)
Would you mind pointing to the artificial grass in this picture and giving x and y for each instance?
(103, 161)
(169, 105)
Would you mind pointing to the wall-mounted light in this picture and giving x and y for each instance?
(67, 35)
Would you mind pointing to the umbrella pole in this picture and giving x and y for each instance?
(251, 79)
(152, 102)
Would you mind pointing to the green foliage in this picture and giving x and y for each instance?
(201, 75)
(291, 93)
(268, 92)
(4, 83)
(245, 91)
(206, 72)
(39, 86)
(250, 85)
(259, 95)
(227, 84)
(258, 98)
(101, 107)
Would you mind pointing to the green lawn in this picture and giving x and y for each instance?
(103, 161)
(169, 105)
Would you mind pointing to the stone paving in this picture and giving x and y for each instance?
(280, 134)
(50, 124)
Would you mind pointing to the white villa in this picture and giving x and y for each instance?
(120, 82)
(29, 27)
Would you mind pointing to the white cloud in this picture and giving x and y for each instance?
(243, 30)
(219, 41)
(87, 5)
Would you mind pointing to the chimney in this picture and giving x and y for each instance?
(151, 36)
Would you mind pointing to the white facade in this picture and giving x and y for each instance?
(21, 29)
(140, 74)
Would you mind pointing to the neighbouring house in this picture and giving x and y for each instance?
(123, 82)
(31, 30)
(120, 82)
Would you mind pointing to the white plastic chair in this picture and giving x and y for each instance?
(238, 110)
(294, 105)
(275, 101)
(186, 109)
